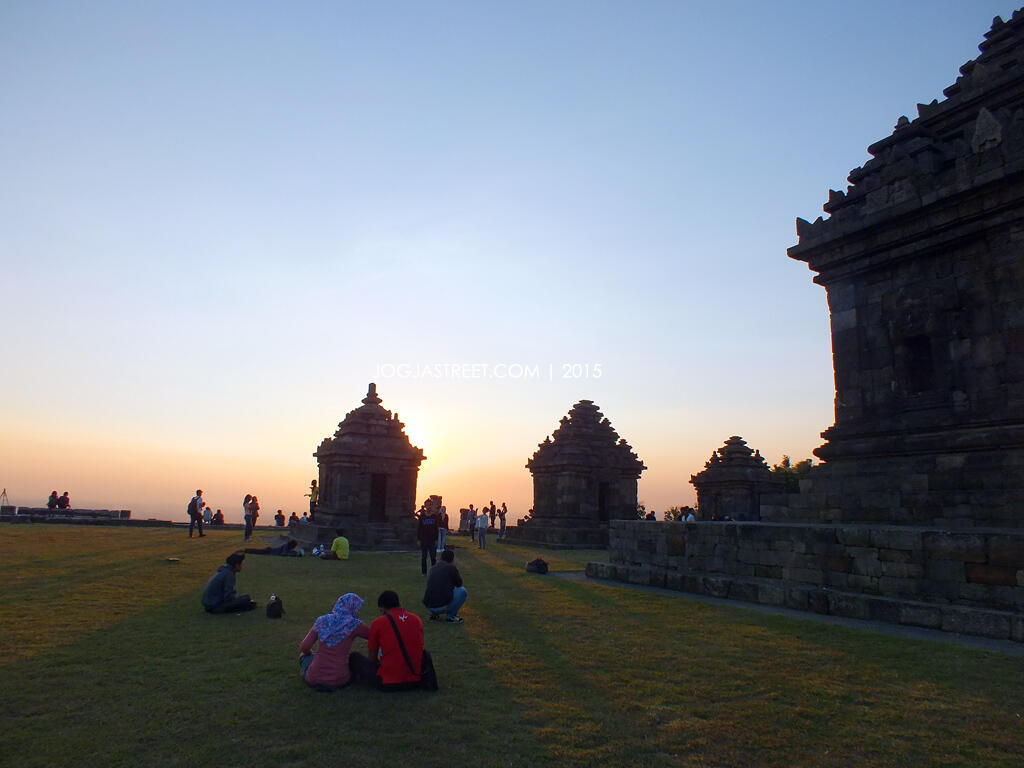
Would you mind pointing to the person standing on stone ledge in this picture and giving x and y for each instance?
(501, 520)
(492, 511)
(314, 499)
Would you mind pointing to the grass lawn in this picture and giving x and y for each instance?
(109, 660)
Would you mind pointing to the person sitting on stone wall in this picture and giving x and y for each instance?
(218, 518)
(219, 596)
(294, 518)
(329, 667)
(53, 502)
(64, 502)
(445, 593)
(279, 519)
(339, 547)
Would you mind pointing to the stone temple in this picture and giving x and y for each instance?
(368, 474)
(584, 475)
(732, 482)
(916, 515)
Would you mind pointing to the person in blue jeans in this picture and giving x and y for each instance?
(444, 593)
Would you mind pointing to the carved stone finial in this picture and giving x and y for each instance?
(371, 395)
(988, 132)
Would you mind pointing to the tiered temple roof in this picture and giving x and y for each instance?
(585, 439)
(734, 462)
(371, 430)
(974, 136)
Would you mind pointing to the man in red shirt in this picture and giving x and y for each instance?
(387, 661)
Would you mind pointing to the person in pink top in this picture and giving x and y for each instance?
(333, 633)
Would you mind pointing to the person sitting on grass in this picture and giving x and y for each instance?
(387, 665)
(339, 548)
(328, 668)
(445, 593)
(219, 595)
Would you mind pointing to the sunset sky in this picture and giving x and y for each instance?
(220, 221)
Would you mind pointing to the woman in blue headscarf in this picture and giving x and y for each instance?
(328, 667)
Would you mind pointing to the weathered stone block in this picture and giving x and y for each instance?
(977, 573)
(716, 587)
(921, 616)
(771, 594)
(976, 622)
(968, 548)
(853, 606)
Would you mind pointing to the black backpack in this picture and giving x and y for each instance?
(537, 566)
(275, 608)
(193, 508)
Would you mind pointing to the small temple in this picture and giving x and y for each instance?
(368, 474)
(731, 484)
(583, 476)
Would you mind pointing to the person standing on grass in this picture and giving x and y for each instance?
(195, 513)
(386, 665)
(219, 596)
(328, 667)
(445, 593)
(247, 515)
(471, 518)
(426, 534)
(481, 529)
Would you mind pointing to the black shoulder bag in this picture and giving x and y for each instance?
(428, 676)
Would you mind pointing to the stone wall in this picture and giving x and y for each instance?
(959, 581)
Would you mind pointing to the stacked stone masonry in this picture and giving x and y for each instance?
(970, 582)
(922, 260)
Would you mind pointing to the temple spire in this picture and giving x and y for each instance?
(371, 395)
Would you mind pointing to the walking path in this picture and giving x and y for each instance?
(881, 627)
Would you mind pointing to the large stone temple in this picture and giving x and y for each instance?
(916, 514)
(368, 474)
(583, 476)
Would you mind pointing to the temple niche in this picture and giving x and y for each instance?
(583, 476)
(368, 474)
(921, 261)
(731, 484)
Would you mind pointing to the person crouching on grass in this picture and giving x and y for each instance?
(219, 596)
(387, 665)
(329, 667)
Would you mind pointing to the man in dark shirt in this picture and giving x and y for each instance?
(426, 533)
(445, 593)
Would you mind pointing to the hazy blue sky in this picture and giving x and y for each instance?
(220, 221)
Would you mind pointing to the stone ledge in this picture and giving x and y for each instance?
(1000, 625)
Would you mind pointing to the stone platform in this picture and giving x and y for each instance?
(971, 582)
